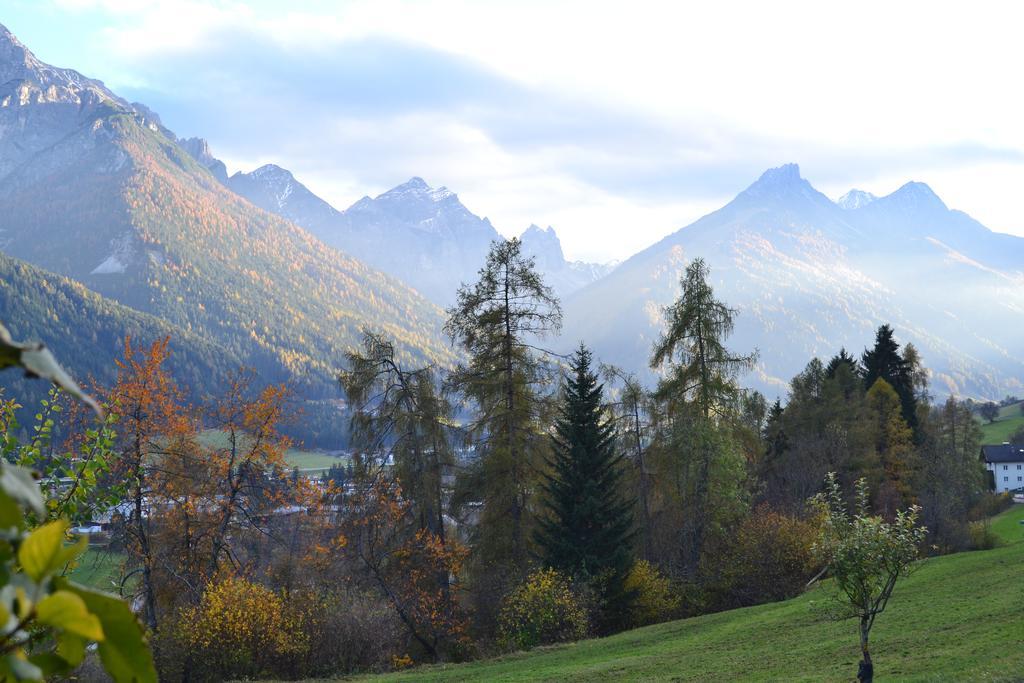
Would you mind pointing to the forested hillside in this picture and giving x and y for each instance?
(99, 191)
(88, 332)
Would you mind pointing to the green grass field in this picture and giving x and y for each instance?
(99, 568)
(311, 461)
(1010, 420)
(958, 618)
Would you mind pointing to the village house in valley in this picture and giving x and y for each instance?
(1005, 462)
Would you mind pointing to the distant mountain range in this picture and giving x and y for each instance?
(809, 275)
(253, 268)
(97, 189)
(425, 236)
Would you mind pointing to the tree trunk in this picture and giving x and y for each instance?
(644, 496)
(517, 504)
(866, 670)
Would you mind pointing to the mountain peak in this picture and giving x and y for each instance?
(269, 171)
(543, 243)
(418, 187)
(855, 199)
(787, 173)
(915, 195)
(782, 183)
(536, 231)
(16, 60)
(19, 68)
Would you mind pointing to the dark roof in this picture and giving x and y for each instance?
(1003, 453)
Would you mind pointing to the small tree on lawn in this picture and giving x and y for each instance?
(990, 411)
(865, 555)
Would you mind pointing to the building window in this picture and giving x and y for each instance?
(1019, 478)
(1006, 479)
(1018, 467)
(1006, 467)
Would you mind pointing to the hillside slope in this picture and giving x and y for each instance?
(86, 332)
(97, 190)
(958, 618)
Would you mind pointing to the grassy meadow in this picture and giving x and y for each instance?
(957, 618)
(306, 460)
(1010, 419)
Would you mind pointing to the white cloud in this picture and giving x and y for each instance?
(867, 95)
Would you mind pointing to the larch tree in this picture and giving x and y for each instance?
(631, 417)
(400, 412)
(699, 368)
(498, 321)
(955, 477)
(698, 389)
(402, 426)
(587, 530)
(894, 446)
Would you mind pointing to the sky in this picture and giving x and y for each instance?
(616, 123)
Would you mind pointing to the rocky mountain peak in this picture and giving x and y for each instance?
(916, 195)
(783, 183)
(855, 199)
(417, 189)
(30, 80)
(542, 243)
(199, 149)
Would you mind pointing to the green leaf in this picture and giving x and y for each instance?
(66, 611)
(71, 649)
(18, 484)
(52, 664)
(44, 552)
(123, 651)
(37, 361)
(22, 669)
(11, 515)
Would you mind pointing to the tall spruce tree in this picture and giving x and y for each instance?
(884, 361)
(587, 533)
(842, 359)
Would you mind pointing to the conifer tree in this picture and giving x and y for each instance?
(842, 359)
(885, 362)
(587, 533)
(698, 390)
(498, 322)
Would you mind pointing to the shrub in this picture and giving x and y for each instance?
(349, 631)
(990, 505)
(653, 597)
(768, 558)
(542, 610)
(981, 535)
(241, 629)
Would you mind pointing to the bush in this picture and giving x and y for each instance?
(349, 632)
(768, 558)
(990, 505)
(542, 610)
(981, 535)
(653, 598)
(241, 629)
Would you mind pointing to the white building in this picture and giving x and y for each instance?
(1006, 463)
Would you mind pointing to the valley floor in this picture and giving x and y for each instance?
(958, 618)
